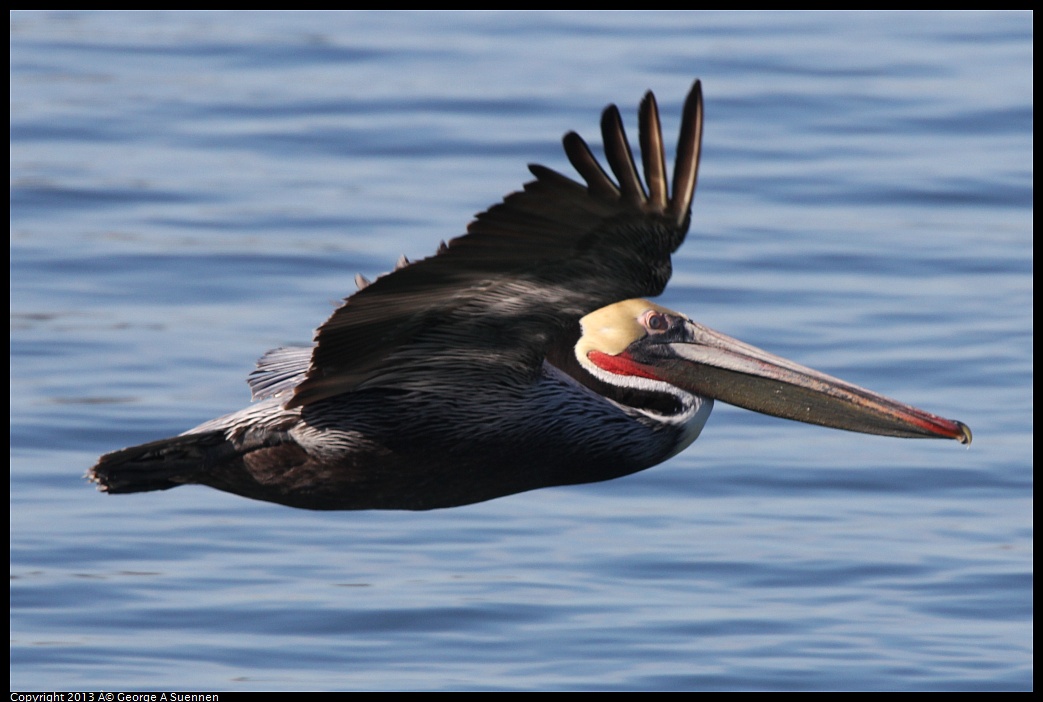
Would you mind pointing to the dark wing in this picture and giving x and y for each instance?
(491, 302)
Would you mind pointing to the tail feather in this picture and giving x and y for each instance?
(160, 465)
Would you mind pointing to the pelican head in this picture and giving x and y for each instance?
(638, 344)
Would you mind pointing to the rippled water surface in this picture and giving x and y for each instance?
(189, 190)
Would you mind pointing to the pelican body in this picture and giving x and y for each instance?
(520, 356)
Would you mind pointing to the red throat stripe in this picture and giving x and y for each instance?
(622, 364)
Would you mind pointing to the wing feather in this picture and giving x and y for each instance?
(490, 303)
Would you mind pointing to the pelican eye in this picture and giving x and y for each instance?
(656, 321)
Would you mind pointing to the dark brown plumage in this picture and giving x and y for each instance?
(457, 338)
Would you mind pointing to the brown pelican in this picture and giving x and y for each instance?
(517, 357)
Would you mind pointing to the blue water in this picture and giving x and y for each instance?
(189, 190)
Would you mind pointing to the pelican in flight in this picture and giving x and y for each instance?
(519, 356)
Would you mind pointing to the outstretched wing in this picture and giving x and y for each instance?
(492, 301)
